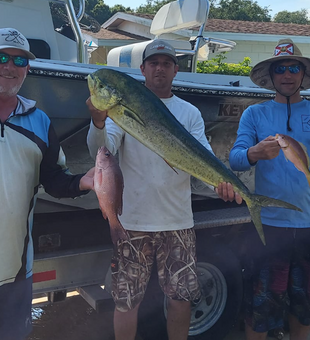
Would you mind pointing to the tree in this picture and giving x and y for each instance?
(152, 6)
(96, 13)
(120, 8)
(298, 17)
(101, 12)
(245, 10)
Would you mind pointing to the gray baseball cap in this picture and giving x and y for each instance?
(158, 46)
(12, 38)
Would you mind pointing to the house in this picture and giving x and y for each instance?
(253, 39)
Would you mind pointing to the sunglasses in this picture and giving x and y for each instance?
(18, 61)
(280, 69)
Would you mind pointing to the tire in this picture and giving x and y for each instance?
(213, 316)
(220, 277)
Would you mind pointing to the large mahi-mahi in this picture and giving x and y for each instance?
(139, 112)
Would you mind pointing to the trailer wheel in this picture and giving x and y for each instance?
(214, 315)
(220, 277)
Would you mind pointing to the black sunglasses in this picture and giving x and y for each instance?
(18, 61)
(280, 69)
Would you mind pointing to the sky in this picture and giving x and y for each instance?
(276, 6)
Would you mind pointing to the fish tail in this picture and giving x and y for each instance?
(255, 215)
(255, 204)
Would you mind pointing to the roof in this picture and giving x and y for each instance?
(228, 26)
(105, 34)
(237, 26)
(110, 29)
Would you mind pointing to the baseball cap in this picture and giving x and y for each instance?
(12, 38)
(158, 46)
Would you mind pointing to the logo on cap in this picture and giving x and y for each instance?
(161, 47)
(15, 37)
(285, 49)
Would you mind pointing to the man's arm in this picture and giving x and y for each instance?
(102, 131)
(246, 138)
(98, 117)
(247, 151)
(56, 181)
(268, 148)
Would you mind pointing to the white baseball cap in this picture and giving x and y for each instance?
(12, 38)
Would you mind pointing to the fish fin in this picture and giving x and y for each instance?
(265, 201)
(256, 202)
(117, 231)
(131, 114)
(255, 215)
(98, 178)
(171, 167)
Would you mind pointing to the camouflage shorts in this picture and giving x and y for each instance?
(175, 254)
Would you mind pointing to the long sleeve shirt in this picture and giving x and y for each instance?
(29, 153)
(277, 178)
(156, 198)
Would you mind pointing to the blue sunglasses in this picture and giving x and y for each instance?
(280, 69)
(18, 61)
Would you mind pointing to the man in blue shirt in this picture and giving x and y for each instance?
(277, 276)
(30, 154)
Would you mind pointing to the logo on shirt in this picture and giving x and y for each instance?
(305, 123)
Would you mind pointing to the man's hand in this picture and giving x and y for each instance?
(268, 148)
(98, 117)
(226, 193)
(87, 181)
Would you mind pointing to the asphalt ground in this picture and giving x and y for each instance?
(74, 319)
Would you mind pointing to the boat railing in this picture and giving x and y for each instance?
(74, 22)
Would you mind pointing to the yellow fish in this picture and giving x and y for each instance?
(295, 152)
(139, 112)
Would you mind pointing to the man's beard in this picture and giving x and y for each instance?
(11, 91)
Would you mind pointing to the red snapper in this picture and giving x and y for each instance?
(108, 185)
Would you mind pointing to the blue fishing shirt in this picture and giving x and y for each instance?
(278, 177)
(30, 155)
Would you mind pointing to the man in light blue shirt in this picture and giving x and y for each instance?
(278, 274)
